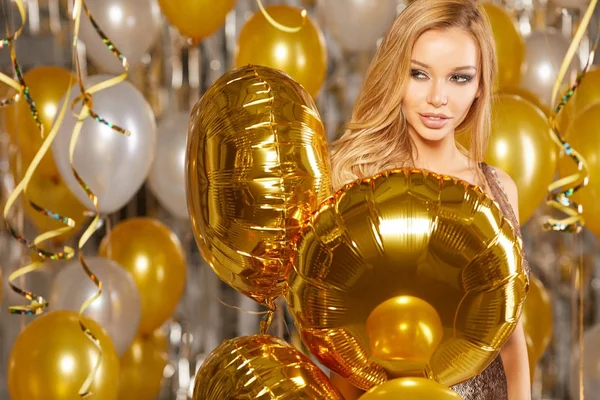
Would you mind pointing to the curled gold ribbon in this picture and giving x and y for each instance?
(37, 303)
(277, 25)
(561, 190)
(86, 99)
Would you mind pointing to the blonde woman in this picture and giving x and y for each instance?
(431, 79)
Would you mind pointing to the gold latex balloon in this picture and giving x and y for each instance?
(302, 55)
(257, 165)
(153, 255)
(529, 96)
(261, 367)
(141, 369)
(521, 146)
(52, 357)
(410, 389)
(537, 321)
(586, 94)
(196, 19)
(47, 86)
(407, 232)
(404, 328)
(584, 136)
(510, 46)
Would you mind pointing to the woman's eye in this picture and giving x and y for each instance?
(415, 73)
(460, 78)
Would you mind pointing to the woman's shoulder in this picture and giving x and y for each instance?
(508, 185)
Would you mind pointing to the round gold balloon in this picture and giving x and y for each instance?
(510, 46)
(407, 232)
(257, 165)
(584, 136)
(261, 367)
(586, 94)
(404, 328)
(521, 146)
(302, 55)
(52, 357)
(47, 86)
(410, 389)
(153, 255)
(141, 369)
(529, 96)
(537, 321)
(196, 19)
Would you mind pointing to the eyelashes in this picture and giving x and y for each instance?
(458, 78)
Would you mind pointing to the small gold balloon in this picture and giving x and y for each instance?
(404, 329)
(196, 19)
(521, 146)
(529, 96)
(52, 357)
(410, 389)
(584, 136)
(47, 86)
(407, 232)
(586, 94)
(257, 165)
(141, 368)
(153, 256)
(302, 54)
(510, 46)
(261, 367)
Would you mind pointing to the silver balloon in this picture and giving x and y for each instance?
(545, 51)
(117, 310)
(591, 365)
(132, 25)
(167, 176)
(357, 24)
(114, 166)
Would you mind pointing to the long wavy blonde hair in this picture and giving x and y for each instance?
(376, 138)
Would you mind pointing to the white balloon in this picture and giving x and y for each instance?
(117, 310)
(132, 25)
(167, 176)
(357, 24)
(591, 365)
(113, 165)
(545, 51)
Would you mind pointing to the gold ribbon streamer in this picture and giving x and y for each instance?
(86, 99)
(561, 190)
(279, 26)
(37, 303)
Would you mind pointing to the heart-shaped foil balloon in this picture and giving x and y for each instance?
(407, 273)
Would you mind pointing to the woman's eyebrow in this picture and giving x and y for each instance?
(454, 69)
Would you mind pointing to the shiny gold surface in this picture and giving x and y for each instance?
(410, 389)
(302, 55)
(153, 255)
(257, 166)
(261, 367)
(196, 19)
(407, 233)
(52, 357)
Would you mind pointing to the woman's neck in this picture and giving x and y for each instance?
(440, 156)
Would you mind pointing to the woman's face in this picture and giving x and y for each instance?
(443, 84)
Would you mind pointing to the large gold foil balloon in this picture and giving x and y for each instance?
(153, 255)
(410, 389)
(302, 55)
(52, 357)
(196, 19)
(584, 136)
(141, 369)
(537, 322)
(510, 46)
(522, 147)
(261, 367)
(47, 86)
(257, 166)
(407, 233)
